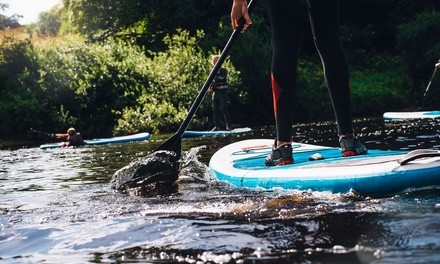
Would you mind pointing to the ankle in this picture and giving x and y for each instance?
(347, 135)
(282, 143)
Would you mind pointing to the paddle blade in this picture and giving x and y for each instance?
(153, 172)
(173, 144)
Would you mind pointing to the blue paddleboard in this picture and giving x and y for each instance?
(401, 116)
(192, 134)
(320, 168)
(102, 141)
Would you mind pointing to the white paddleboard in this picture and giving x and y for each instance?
(377, 173)
(400, 116)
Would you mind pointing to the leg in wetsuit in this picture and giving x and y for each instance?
(287, 33)
(220, 104)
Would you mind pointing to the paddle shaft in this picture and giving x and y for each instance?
(174, 143)
(430, 81)
(42, 133)
(212, 74)
(427, 87)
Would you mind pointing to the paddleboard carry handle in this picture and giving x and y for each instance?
(418, 154)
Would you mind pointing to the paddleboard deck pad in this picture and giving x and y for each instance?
(400, 116)
(321, 168)
(102, 141)
(192, 133)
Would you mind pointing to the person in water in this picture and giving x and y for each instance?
(219, 89)
(73, 138)
(286, 35)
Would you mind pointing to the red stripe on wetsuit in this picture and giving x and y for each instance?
(276, 92)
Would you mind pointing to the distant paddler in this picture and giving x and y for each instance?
(73, 138)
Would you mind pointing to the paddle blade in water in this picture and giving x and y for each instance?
(173, 144)
(149, 176)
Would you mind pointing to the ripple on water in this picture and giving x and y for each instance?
(57, 206)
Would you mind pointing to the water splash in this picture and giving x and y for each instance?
(148, 176)
(157, 173)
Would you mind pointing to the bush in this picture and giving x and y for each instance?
(48, 24)
(383, 87)
(93, 81)
(22, 104)
(419, 41)
(175, 78)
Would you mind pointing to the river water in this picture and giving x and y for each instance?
(56, 206)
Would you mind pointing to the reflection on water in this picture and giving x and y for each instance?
(56, 206)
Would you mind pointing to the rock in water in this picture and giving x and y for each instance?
(152, 174)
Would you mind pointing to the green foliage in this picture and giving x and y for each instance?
(100, 19)
(48, 23)
(312, 101)
(14, 57)
(124, 78)
(419, 41)
(382, 87)
(175, 78)
(153, 115)
(374, 90)
(22, 103)
(93, 82)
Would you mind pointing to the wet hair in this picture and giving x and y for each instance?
(71, 131)
(214, 59)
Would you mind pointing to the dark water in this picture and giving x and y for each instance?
(56, 206)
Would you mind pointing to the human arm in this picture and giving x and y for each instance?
(239, 9)
(62, 136)
(437, 65)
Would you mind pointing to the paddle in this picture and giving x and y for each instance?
(160, 169)
(38, 132)
(427, 87)
(174, 143)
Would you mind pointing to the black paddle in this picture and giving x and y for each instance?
(38, 132)
(161, 168)
(174, 143)
(427, 88)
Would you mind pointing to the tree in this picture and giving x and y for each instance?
(145, 22)
(8, 22)
(48, 23)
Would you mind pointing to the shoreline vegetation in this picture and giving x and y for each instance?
(126, 72)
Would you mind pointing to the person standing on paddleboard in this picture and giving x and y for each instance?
(219, 89)
(286, 33)
(73, 138)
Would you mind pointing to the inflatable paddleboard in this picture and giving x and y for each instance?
(400, 116)
(192, 134)
(320, 168)
(102, 141)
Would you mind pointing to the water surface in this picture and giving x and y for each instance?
(56, 206)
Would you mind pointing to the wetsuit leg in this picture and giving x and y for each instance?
(216, 109)
(286, 33)
(324, 19)
(223, 101)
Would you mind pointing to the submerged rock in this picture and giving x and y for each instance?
(148, 176)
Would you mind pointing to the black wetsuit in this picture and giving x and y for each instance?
(286, 30)
(76, 140)
(220, 98)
